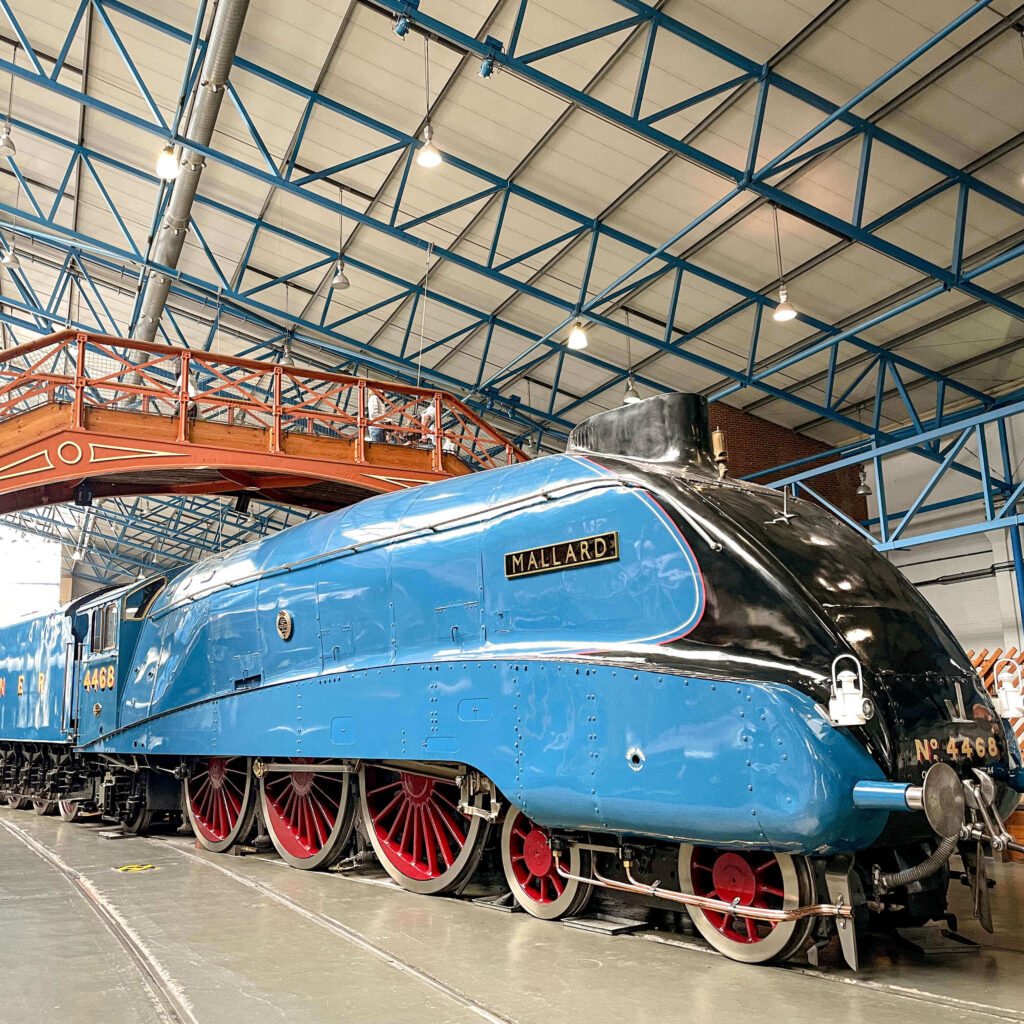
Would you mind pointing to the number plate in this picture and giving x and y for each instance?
(955, 747)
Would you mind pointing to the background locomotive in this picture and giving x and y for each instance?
(613, 664)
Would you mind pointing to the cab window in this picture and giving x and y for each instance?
(96, 630)
(110, 627)
(140, 600)
(103, 628)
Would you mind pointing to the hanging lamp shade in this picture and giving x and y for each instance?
(577, 336)
(785, 310)
(340, 280)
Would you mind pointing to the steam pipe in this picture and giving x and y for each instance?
(734, 909)
(170, 239)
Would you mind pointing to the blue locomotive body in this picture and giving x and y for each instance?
(408, 641)
(35, 655)
(609, 641)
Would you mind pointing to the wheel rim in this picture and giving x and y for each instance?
(420, 836)
(308, 813)
(138, 824)
(69, 809)
(531, 872)
(756, 878)
(44, 807)
(17, 803)
(218, 799)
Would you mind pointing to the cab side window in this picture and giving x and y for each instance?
(96, 630)
(110, 626)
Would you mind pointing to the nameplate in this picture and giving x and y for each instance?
(570, 554)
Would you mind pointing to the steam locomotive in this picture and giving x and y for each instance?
(614, 668)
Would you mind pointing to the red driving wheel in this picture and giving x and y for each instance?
(419, 834)
(219, 800)
(750, 878)
(308, 811)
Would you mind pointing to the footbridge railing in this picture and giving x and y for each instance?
(90, 371)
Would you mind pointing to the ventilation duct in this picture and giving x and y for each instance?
(170, 238)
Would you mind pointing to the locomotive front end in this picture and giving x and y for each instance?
(901, 685)
(898, 757)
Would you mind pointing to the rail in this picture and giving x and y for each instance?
(93, 371)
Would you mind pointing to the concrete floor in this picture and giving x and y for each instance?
(202, 939)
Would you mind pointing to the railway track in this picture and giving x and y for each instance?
(346, 933)
(898, 991)
(167, 996)
(916, 991)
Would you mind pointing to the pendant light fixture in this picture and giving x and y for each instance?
(784, 311)
(167, 164)
(632, 395)
(577, 336)
(864, 488)
(429, 155)
(7, 146)
(340, 282)
(530, 444)
(10, 257)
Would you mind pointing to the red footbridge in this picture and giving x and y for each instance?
(86, 416)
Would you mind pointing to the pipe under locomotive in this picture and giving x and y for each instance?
(612, 667)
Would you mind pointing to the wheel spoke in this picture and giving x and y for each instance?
(430, 843)
(453, 828)
(403, 812)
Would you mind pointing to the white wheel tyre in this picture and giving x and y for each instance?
(531, 872)
(758, 878)
(421, 838)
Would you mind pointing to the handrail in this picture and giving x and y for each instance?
(96, 371)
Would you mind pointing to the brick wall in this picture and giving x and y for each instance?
(755, 444)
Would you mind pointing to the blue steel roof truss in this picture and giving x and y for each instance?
(236, 299)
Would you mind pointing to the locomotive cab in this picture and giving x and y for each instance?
(108, 627)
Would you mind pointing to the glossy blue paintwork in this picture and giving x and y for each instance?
(723, 763)
(411, 643)
(34, 653)
(400, 579)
